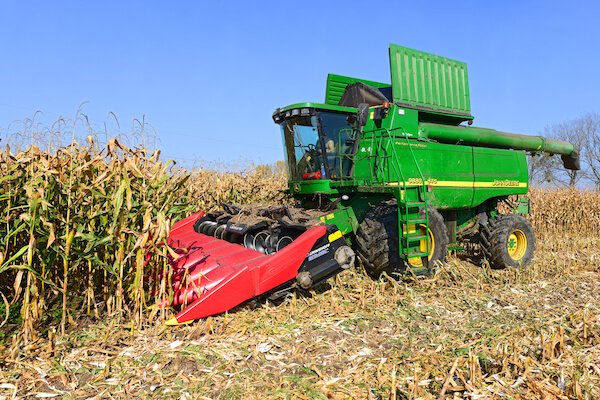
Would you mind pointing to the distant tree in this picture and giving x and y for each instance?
(591, 148)
(264, 170)
(541, 167)
(270, 170)
(280, 167)
(584, 133)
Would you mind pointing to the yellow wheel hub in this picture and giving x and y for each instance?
(516, 244)
(418, 261)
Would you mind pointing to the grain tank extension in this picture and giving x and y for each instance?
(390, 173)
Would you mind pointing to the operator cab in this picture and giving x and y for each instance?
(318, 142)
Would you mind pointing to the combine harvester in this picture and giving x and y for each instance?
(389, 172)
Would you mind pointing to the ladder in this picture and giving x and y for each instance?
(413, 215)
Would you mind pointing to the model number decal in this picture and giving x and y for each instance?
(419, 181)
(318, 252)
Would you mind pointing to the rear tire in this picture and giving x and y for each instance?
(377, 241)
(511, 242)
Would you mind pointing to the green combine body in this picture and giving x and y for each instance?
(374, 147)
(385, 171)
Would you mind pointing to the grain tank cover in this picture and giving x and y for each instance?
(357, 93)
(337, 84)
(428, 82)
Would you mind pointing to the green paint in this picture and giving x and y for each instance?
(429, 82)
(492, 138)
(416, 152)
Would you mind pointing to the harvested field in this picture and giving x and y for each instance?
(468, 332)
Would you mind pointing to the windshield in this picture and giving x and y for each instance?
(302, 146)
(318, 147)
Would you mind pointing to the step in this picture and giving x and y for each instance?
(414, 238)
(412, 241)
(416, 254)
(413, 221)
(413, 204)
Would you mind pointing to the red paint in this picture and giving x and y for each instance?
(311, 175)
(213, 275)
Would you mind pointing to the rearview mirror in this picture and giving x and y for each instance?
(362, 115)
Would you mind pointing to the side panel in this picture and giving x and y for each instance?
(498, 172)
(394, 161)
(447, 169)
(457, 177)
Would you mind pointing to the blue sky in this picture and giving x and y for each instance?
(208, 75)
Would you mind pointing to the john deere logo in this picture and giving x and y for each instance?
(296, 187)
(505, 183)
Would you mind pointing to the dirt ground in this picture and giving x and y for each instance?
(469, 332)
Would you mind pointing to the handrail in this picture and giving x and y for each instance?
(382, 147)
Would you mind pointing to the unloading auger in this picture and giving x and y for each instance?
(393, 173)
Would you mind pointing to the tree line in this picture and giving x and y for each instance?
(584, 133)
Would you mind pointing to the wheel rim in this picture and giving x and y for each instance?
(418, 261)
(516, 244)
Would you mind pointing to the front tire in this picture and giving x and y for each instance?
(377, 242)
